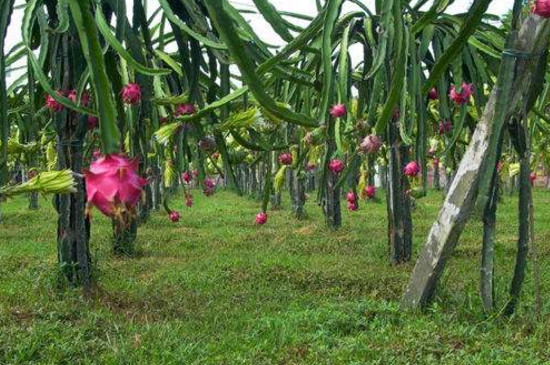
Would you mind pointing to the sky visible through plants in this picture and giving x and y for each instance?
(263, 29)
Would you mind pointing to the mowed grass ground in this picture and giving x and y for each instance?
(216, 289)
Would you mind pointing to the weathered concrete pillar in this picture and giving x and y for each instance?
(443, 237)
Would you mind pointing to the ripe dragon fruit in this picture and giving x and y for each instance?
(71, 95)
(93, 122)
(285, 158)
(186, 177)
(542, 8)
(336, 166)
(113, 184)
(338, 110)
(444, 127)
(352, 201)
(261, 218)
(533, 178)
(412, 169)
(131, 94)
(396, 114)
(185, 109)
(174, 216)
(371, 144)
(53, 104)
(370, 191)
(432, 94)
(209, 186)
(84, 99)
(463, 97)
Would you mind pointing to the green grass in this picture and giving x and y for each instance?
(216, 289)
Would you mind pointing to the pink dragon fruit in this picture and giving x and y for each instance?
(370, 191)
(113, 184)
(186, 177)
(371, 144)
(71, 95)
(93, 122)
(338, 110)
(395, 114)
(444, 127)
(131, 94)
(350, 196)
(261, 218)
(542, 8)
(463, 97)
(533, 178)
(185, 109)
(412, 169)
(209, 187)
(336, 166)
(174, 216)
(84, 99)
(352, 201)
(285, 158)
(432, 94)
(436, 162)
(53, 104)
(311, 166)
